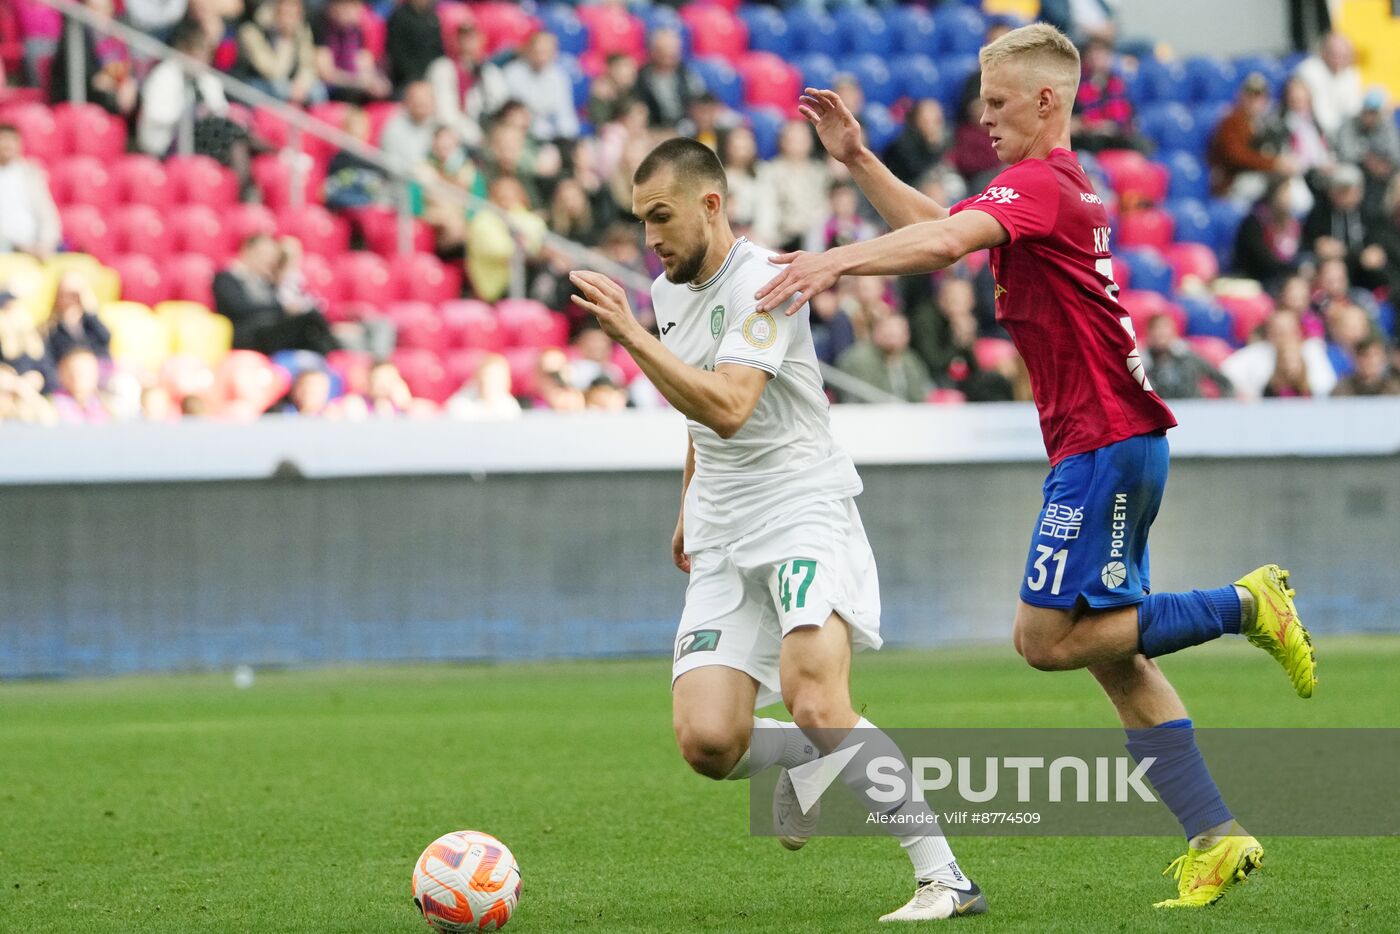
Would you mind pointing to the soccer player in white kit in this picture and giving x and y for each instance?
(782, 579)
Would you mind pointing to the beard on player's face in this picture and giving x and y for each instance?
(687, 252)
(687, 266)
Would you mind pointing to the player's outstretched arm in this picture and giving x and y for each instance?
(918, 248)
(721, 400)
(899, 204)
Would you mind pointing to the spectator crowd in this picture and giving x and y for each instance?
(1304, 162)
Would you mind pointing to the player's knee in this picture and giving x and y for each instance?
(710, 749)
(1046, 656)
(815, 709)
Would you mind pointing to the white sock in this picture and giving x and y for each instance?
(773, 742)
(923, 841)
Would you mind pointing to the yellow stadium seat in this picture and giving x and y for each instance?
(29, 279)
(197, 331)
(104, 281)
(139, 338)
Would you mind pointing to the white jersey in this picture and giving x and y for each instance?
(784, 456)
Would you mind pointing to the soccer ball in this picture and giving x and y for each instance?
(466, 881)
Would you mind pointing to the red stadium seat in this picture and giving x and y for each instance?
(375, 32)
(37, 129)
(379, 113)
(320, 278)
(83, 180)
(269, 127)
(450, 17)
(505, 25)
(379, 226)
(945, 396)
(1142, 306)
(461, 365)
(247, 384)
(523, 375)
(202, 180)
(364, 277)
(142, 180)
(353, 367)
(613, 30)
(197, 228)
(1135, 179)
(624, 362)
(1192, 260)
(88, 130)
(552, 330)
(190, 276)
(1248, 312)
(424, 373)
(419, 326)
(715, 31)
(274, 178)
(141, 279)
(992, 352)
(424, 277)
(243, 220)
(1213, 350)
(518, 316)
(769, 82)
(472, 325)
(140, 228)
(1122, 273)
(318, 229)
(1145, 227)
(85, 230)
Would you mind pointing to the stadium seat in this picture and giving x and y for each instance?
(1247, 312)
(769, 81)
(560, 19)
(247, 384)
(352, 366)
(1163, 82)
(523, 376)
(379, 227)
(505, 25)
(424, 277)
(766, 124)
(918, 77)
(1132, 177)
(1142, 306)
(1225, 218)
(956, 70)
(817, 68)
(140, 277)
(1274, 71)
(31, 281)
(875, 77)
(721, 80)
(1147, 270)
(863, 31)
(1212, 349)
(83, 180)
(139, 339)
(320, 278)
(190, 277)
(196, 331)
(881, 128)
(197, 228)
(424, 373)
(374, 30)
(992, 352)
(1192, 260)
(85, 229)
(141, 179)
(1212, 79)
(38, 130)
(611, 29)
(958, 30)
(1205, 318)
(715, 31)
(140, 228)
(655, 16)
(1145, 227)
(363, 277)
(522, 316)
(1189, 178)
(578, 78)
(241, 221)
(472, 325)
(1191, 220)
(461, 365)
(624, 362)
(88, 130)
(768, 30)
(202, 180)
(418, 326)
(812, 31)
(913, 29)
(318, 229)
(1170, 125)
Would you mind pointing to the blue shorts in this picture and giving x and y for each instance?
(1089, 545)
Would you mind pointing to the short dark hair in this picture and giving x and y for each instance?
(691, 160)
(188, 34)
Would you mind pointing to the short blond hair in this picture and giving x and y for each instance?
(1040, 46)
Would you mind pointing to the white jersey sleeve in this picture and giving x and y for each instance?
(759, 339)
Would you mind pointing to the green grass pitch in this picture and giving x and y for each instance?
(180, 804)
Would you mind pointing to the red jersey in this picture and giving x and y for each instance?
(1056, 297)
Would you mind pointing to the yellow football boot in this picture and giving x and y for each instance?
(1276, 627)
(1202, 876)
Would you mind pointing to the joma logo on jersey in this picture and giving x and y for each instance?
(698, 640)
(999, 195)
(717, 321)
(1101, 239)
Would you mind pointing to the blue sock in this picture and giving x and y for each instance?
(1171, 621)
(1179, 775)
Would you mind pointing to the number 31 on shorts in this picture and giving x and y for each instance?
(1045, 553)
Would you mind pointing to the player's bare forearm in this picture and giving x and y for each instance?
(718, 399)
(898, 203)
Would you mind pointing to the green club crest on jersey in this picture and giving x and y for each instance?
(716, 321)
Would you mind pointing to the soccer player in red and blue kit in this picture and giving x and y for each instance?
(1085, 600)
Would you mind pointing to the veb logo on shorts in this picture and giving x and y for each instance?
(1113, 575)
(697, 640)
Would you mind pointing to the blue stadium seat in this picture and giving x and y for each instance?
(560, 19)
(881, 127)
(1162, 82)
(1189, 178)
(918, 77)
(1148, 270)
(1192, 220)
(766, 124)
(1225, 217)
(1171, 126)
(1212, 79)
(654, 17)
(579, 80)
(875, 77)
(913, 29)
(721, 80)
(1267, 65)
(818, 69)
(812, 31)
(958, 29)
(1205, 318)
(1208, 117)
(768, 30)
(956, 70)
(862, 30)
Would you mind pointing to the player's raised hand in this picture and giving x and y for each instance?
(606, 300)
(804, 275)
(836, 125)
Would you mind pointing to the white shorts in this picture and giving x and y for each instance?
(796, 571)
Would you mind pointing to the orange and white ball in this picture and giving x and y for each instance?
(466, 881)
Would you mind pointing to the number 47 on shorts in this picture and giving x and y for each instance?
(806, 570)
